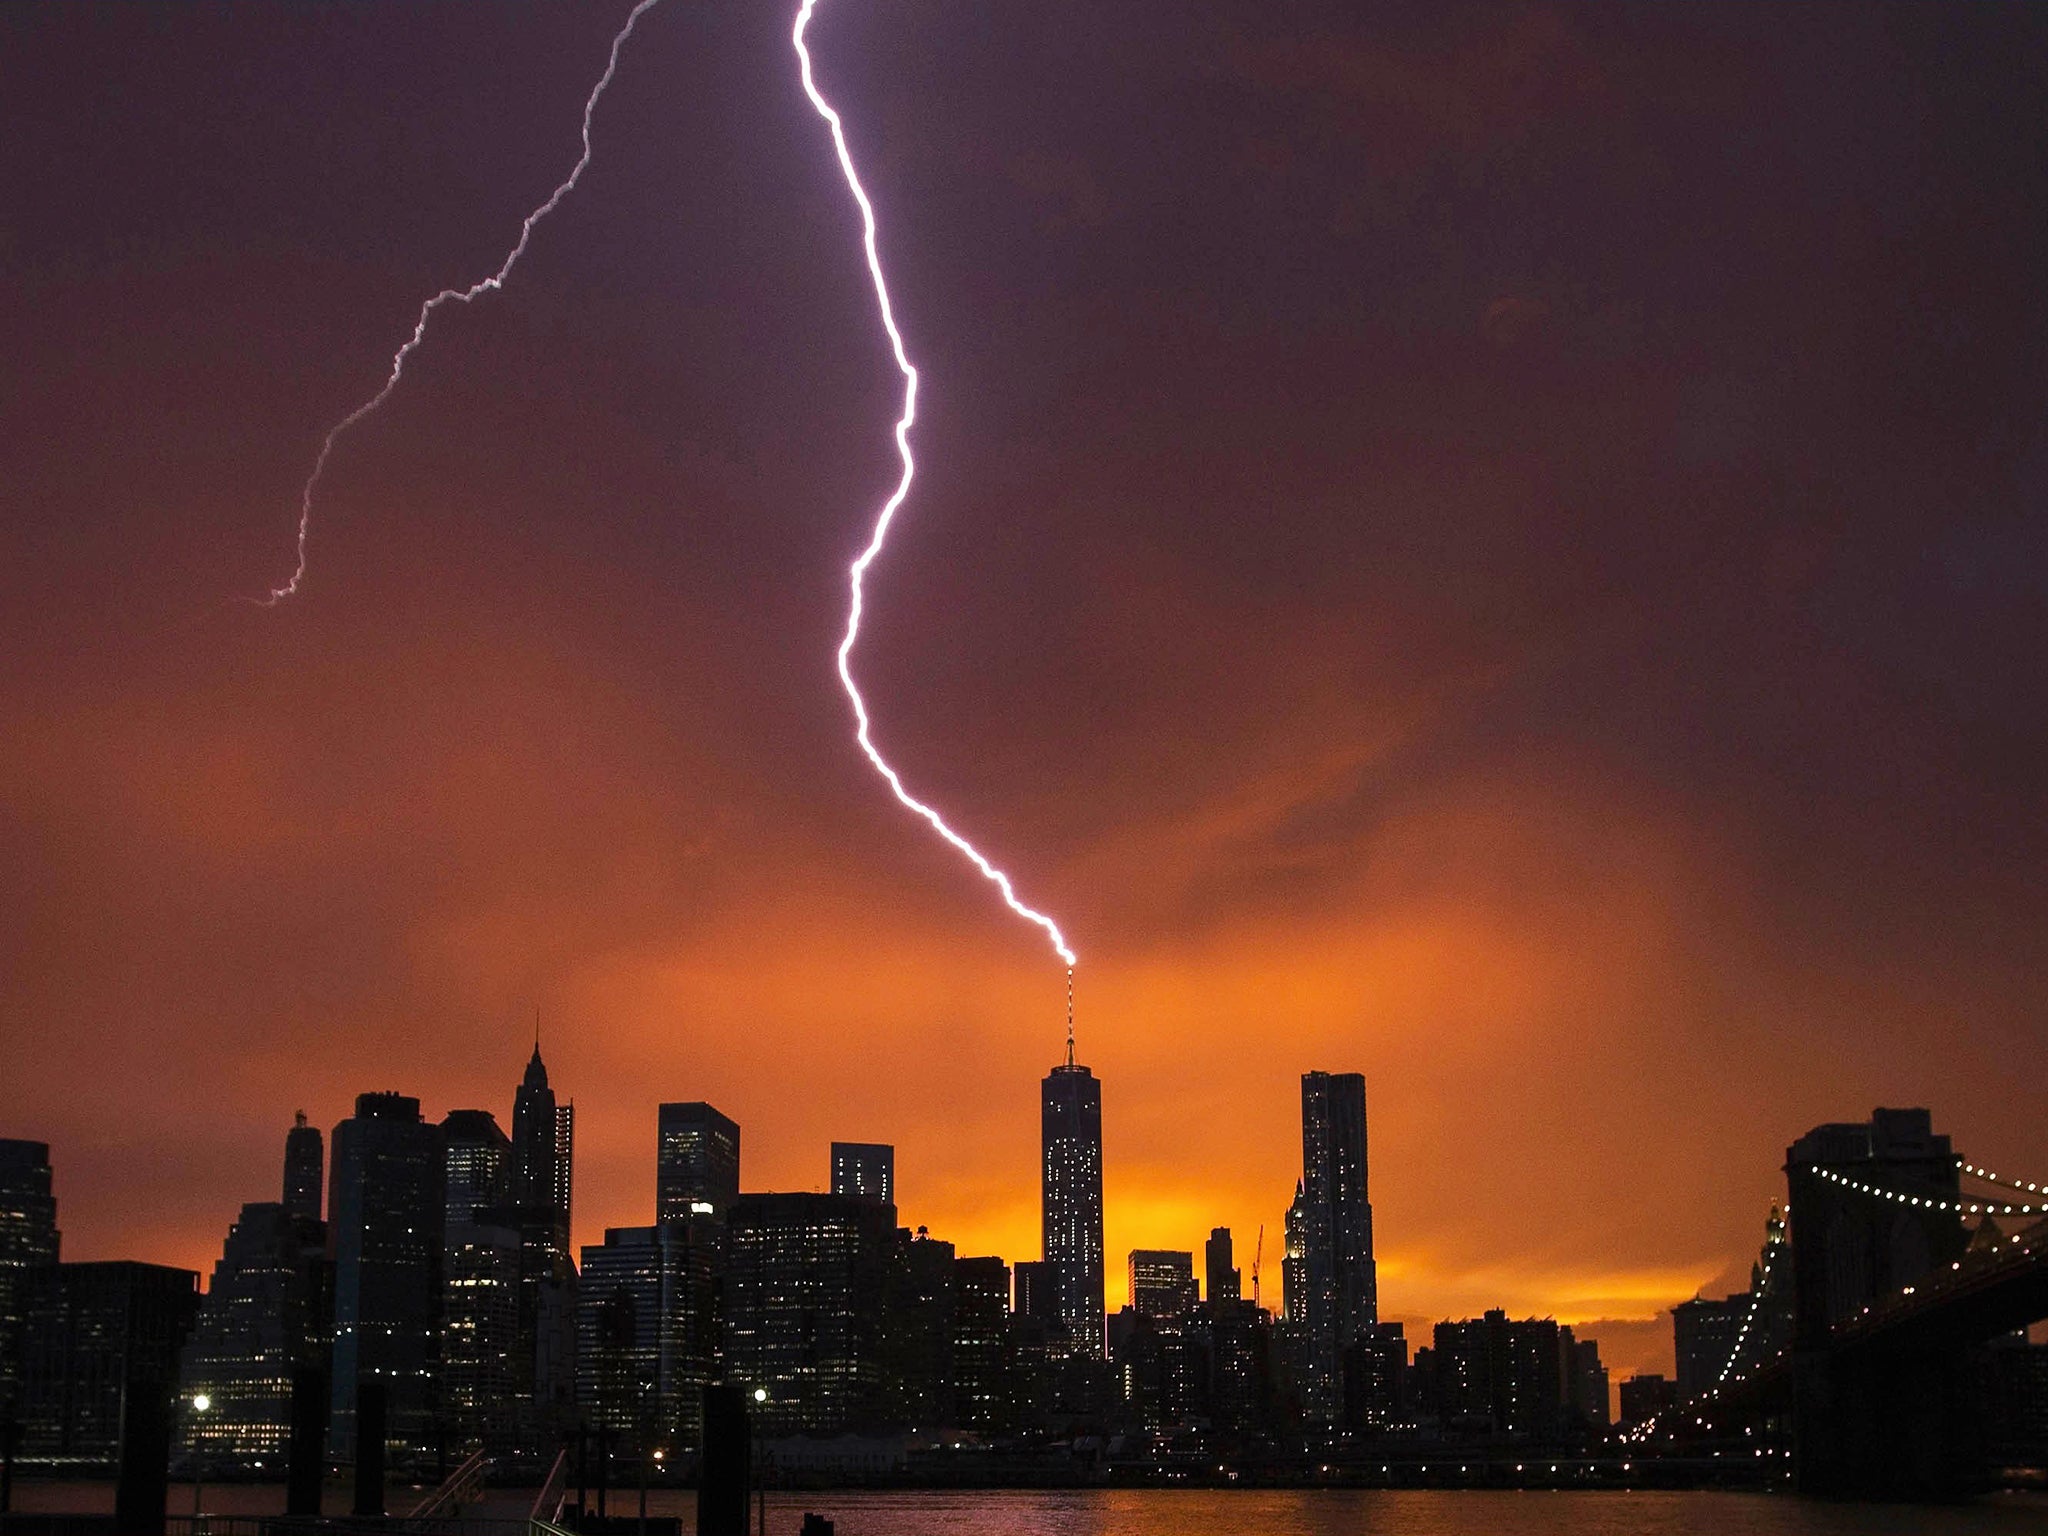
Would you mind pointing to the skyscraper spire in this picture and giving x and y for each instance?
(1070, 1015)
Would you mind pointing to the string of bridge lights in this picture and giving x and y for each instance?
(1998, 1178)
(1934, 1202)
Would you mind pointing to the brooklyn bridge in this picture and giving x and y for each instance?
(1863, 1358)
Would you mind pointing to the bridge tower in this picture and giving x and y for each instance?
(1875, 1423)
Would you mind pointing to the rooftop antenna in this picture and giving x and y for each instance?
(1070, 1015)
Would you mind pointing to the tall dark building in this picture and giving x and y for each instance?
(388, 1189)
(806, 1278)
(696, 1162)
(304, 1168)
(541, 1176)
(1223, 1281)
(981, 1332)
(97, 1334)
(28, 1244)
(866, 1170)
(1070, 1105)
(1703, 1337)
(647, 1330)
(481, 1249)
(1342, 1284)
(267, 1315)
(1035, 1296)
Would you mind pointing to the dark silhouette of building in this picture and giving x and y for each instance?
(1240, 1365)
(806, 1278)
(97, 1335)
(647, 1331)
(1341, 1283)
(28, 1245)
(865, 1170)
(918, 1306)
(1587, 1405)
(1071, 1204)
(268, 1315)
(482, 1351)
(982, 1389)
(539, 1191)
(305, 1168)
(1645, 1396)
(1037, 1296)
(1703, 1335)
(387, 1193)
(1224, 1283)
(696, 1163)
(1375, 1368)
(1162, 1282)
(1500, 1377)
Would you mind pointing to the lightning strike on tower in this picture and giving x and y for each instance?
(857, 573)
(461, 296)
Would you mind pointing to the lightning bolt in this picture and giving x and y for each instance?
(857, 573)
(458, 295)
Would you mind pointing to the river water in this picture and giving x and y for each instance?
(1252, 1512)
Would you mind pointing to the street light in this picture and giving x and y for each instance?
(760, 1473)
(200, 1403)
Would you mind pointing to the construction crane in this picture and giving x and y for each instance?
(1258, 1253)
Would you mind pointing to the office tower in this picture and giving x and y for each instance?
(1585, 1382)
(541, 1179)
(804, 1298)
(386, 1194)
(1071, 1207)
(981, 1333)
(1374, 1364)
(1240, 1364)
(95, 1335)
(28, 1243)
(1501, 1376)
(647, 1329)
(1224, 1282)
(1162, 1282)
(696, 1162)
(1342, 1287)
(1643, 1397)
(267, 1314)
(481, 1248)
(865, 1170)
(304, 1168)
(1703, 1335)
(1035, 1295)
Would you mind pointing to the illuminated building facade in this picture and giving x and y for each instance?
(696, 1162)
(1071, 1200)
(28, 1244)
(647, 1326)
(981, 1331)
(481, 1249)
(806, 1279)
(1341, 1283)
(865, 1170)
(1162, 1282)
(267, 1314)
(386, 1196)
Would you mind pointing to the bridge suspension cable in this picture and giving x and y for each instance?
(1962, 1207)
(1997, 1178)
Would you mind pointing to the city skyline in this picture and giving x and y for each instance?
(1453, 553)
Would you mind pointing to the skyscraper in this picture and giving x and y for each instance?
(866, 1170)
(1162, 1282)
(1342, 1284)
(481, 1248)
(696, 1162)
(1071, 1206)
(647, 1329)
(96, 1335)
(387, 1191)
(539, 1170)
(267, 1315)
(1223, 1279)
(542, 1176)
(304, 1168)
(28, 1244)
